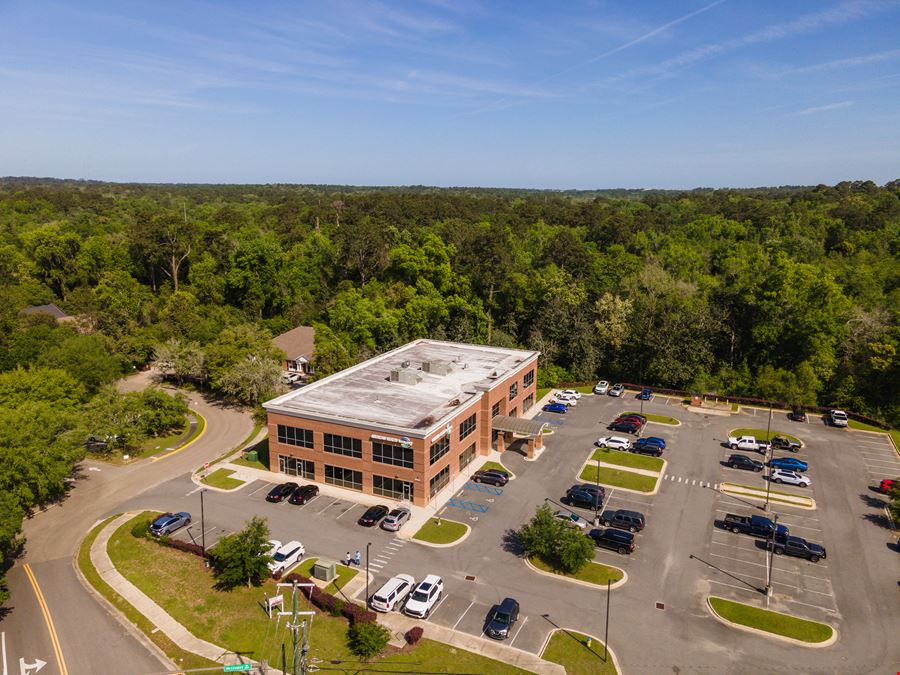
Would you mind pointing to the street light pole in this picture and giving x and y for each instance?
(597, 497)
(768, 458)
(771, 555)
(202, 525)
(606, 635)
(367, 573)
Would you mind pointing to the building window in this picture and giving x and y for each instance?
(302, 438)
(513, 390)
(347, 478)
(529, 401)
(495, 410)
(393, 488)
(440, 479)
(514, 412)
(343, 445)
(467, 427)
(528, 380)
(439, 448)
(387, 453)
(466, 457)
(297, 467)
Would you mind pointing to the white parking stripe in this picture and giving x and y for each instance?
(518, 631)
(777, 569)
(264, 486)
(381, 560)
(740, 588)
(463, 614)
(807, 604)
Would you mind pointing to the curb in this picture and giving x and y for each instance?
(196, 438)
(593, 637)
(614, 585)
(199, 482)
(774, 636)
(451, 544)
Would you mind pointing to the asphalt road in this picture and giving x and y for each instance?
(855, 588)
(90, 640)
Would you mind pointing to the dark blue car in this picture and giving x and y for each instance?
(789, 463)
(655, 440)
(555, 408)
(645, 394)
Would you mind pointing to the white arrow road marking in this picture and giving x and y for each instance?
(196, 489)
(25, 668)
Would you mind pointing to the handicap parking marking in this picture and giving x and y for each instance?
(467, 505)
(478, 487)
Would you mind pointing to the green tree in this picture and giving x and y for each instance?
(367, 638)
(252, 380)
(240, 558)
(561, 546)
(88, 359)
(234, 345)
(54, 387)
(181, 360)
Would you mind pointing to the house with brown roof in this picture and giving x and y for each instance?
(298, 345)
(50, 309)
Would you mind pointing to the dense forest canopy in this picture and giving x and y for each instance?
(788, 293)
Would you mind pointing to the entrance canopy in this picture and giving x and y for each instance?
(519, 426)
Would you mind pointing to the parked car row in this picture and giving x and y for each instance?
(778, 538)
(293, 493)
(652, 445)
(631, 423)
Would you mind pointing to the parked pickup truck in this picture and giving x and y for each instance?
(783, 443)
(757, 526)
(747, 443)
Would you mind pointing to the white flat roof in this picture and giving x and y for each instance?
(364, 395)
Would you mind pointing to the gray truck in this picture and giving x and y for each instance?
(756, 526)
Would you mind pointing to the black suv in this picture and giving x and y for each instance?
(624, 520)
(303, 494)
(644, 447)
(614, 540)
(587, 499)
(281, 492)
(491, 477)
(591, 487)
(626, 426)
(502, 619)
(744, 462)
(797, 547)
(797, 415)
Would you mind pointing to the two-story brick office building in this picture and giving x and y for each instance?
(403, 424)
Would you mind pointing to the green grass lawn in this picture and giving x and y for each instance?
(771, 622)
(344, 574)
(627, 459)
(495, 466)
(262, 450)
(221, 478)
(617, 478)
(570, 650)
(180, 584)
(760, 434)
(446, 533)
(182, 658)
(661, 419)
(151, 446)
(541, 393)
(735, 407)
(593, 573)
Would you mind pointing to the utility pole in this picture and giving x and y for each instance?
(300, 645)
(769, 561)
(202, 526)
(368, 546)
(606, 635)
(768, 457)
(597, 497)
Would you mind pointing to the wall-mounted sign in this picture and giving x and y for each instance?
(389, 439)
(405, 442)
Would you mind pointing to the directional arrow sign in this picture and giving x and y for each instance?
(237, 666)
(26, 668)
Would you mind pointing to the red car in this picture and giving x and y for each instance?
(888, 484)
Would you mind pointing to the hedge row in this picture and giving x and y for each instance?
(335, 606)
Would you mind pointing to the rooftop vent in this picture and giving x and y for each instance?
(405, 376)
(437, 367)
(494, 375)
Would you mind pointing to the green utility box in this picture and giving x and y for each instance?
(324, 570)
(251, 456)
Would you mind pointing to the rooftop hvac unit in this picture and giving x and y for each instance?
(437, 367)
(405, 376)
(405, 364)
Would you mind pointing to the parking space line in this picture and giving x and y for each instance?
(440, 602)
(383, 561)
(375, 565)
(264, 486)
(777, 569)
(328, 506)
(740, 588)
(524, 621)
(463, 614)
(807, 604)
(348, 510)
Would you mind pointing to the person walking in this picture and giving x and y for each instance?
(357, 558)
(348, 559)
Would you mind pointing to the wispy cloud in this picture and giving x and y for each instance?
(825, 108)
(838, 64)
(841, 14)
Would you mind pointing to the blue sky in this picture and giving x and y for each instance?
(453, 92)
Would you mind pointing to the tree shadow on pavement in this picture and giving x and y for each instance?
(873, 502)
(879, 519)
(512, 543)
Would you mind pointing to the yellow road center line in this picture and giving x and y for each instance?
(186, 445)
(54, 639)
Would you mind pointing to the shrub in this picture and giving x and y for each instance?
(366, 639)
(186, 546)
(413, 635)
(356, 614)
(141, 529)
(328, 603)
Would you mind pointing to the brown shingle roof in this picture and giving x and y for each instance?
(50, 309)
(300, 341)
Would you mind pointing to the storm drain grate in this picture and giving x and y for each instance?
(469, 577)
(660, 605)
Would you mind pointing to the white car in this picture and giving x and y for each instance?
(571, 392)
(290, 378)
(789, 477)
(286, 556)
(568, 399)
(271, 547)
(570, 518)
(390, 596)
(838, 418)
(425, 597)
(615, 442)
(617, 390)
(601, 387)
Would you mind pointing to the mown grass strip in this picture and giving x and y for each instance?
(578, 654)
(617, 478)
(592, 573)
(221, 478)
(182, 658)
(771, 622)
(495, 466)
(440, 531)
(627, 459)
